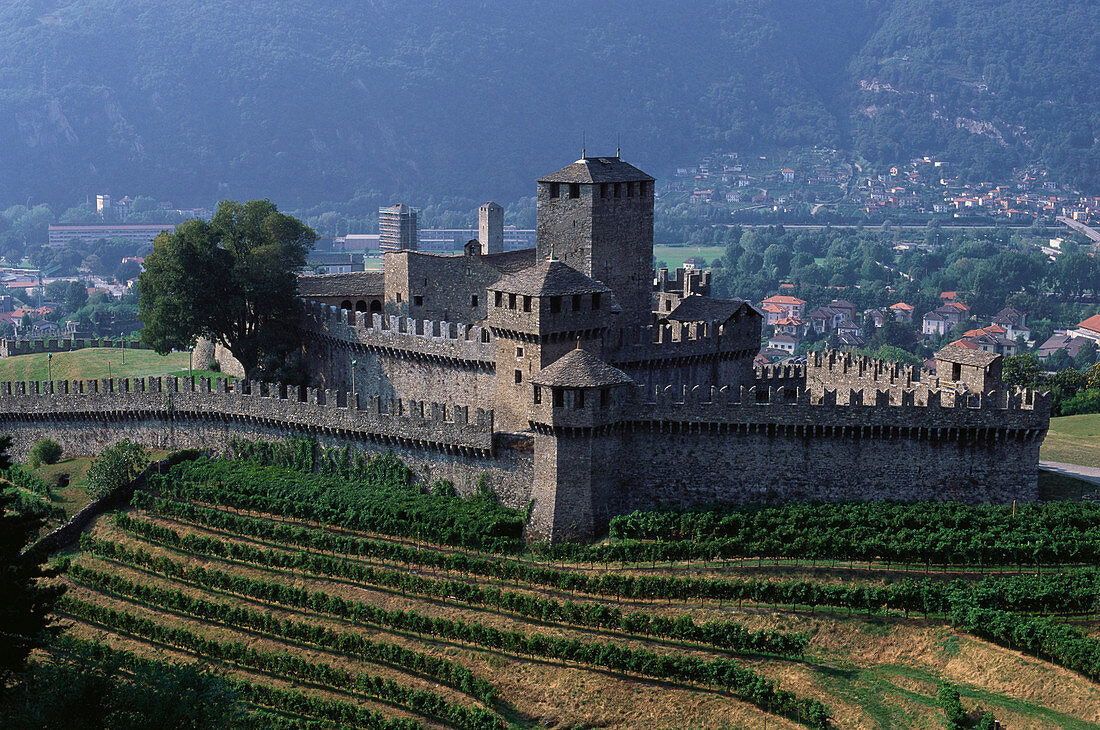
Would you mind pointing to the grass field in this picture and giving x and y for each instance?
(92, 363)
(872, 672)
(1073, 440)
(675, 256)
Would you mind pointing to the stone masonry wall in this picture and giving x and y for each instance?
(709, 445)
(9, 347)
(437, 441)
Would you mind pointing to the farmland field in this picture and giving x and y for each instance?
(284, 580)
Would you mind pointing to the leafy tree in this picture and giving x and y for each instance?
(232, 280)
(1086, 356)
(44, 451)
(1092, 377)
(118, 465)
(1022, 370)
(26, 605)
(76, 296)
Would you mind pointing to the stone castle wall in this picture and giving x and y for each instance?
(10, 347)
(709, 445)
(438, 441)
(845, 372)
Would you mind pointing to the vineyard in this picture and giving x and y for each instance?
(327, 590)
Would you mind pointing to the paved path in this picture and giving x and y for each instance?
(1084, 473)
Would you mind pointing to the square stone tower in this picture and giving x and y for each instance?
(490, 228)
(596, 215)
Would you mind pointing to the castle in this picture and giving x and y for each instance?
(577, 385)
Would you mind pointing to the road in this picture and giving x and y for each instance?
(1084, 473)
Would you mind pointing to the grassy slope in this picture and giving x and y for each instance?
(91, 363)
(1073, 440)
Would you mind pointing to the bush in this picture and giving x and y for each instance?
(1086, 401)
(44, 451)
(118, 465)
(214, 366)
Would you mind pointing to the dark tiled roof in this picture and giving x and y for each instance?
(697, 308)
(354, 284)
(580, 369)
(508, 262)
(548, 278)
(597, 170)
(847, 339)
(954, 353)
(1072, 345)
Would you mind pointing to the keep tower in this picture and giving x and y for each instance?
(596, 215)
(537, 315)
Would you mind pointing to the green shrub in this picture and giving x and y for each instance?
(118, 465)
(44, 451)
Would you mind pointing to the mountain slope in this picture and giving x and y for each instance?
(198, 100)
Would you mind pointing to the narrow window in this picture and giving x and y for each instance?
(576, 302)
(511, 301)
(559, 397)
(399, 296)
(605, 397)
(630, 190)
(527, 304)
(555, 305)
(956, 371)
(499, 298)
(578, 400)
(603, 190)
(538, 395)
(574, 190)
(473, 300)
(519, 376)
(618, 190)
(555, 190)
(418, 300)
(596, 300)
(519, 352)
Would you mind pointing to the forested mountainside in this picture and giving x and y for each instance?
(196, 100)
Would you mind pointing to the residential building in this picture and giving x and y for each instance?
(793, 306)
(902, 312)
(1089, 328)
(783, 342)
(1063, 342)
(1014, 323)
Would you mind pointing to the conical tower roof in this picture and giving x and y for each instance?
(580, 369)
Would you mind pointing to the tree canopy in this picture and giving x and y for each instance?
(232, 280)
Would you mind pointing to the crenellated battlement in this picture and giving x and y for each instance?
(1018, 410)
(11, 347)
(779, 376)
(843, 371)
(680, 340)
(265, 404)
(427, 338)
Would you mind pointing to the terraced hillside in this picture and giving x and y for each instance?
(322, 598)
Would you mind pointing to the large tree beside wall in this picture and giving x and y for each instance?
(232, 280)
